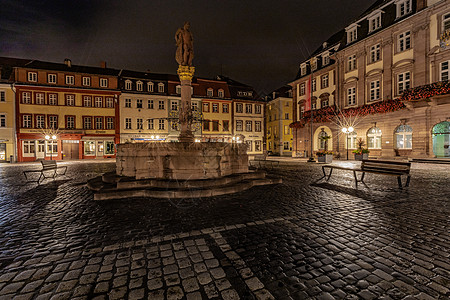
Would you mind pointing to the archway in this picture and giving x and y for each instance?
(441, 139)
(319, 142)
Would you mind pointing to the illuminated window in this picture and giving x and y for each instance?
(403, 137)
(70, 80)
(404, 41)
(374, 138)
(248, 126)
(51, 78)
(109, 102)
(86, 81)
(32, 76)
(239, 125)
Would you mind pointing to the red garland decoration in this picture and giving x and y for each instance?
(426, 91)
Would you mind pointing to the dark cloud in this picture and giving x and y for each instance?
(260, 43)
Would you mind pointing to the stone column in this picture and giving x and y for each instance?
(185, 73)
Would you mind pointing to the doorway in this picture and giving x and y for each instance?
(441, 139)
(40, 153)
(71, 149)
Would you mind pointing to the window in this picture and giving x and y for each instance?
(375, 53)
(215, 107)
(215, 125)
(70, 79)
(444, 72)
(302, 89)
(2, 96)
(205, 125)
(26, 97)
(53, 122)
(238, 125)
(225, 125)
(351, 96)
(109, 147)
(225, 108)
(70, 100)
(2, 120)
(323, 140)
(374, 90)
(257, 145)
(109, 102)
(70, 122)
(206, 107)
(87, 101)
(139, 86)
(446, 22)
(32, 76)
(351, 140)
(313, 85)
(51, 78)
(325, 81)
(403, 137)
(98, 102)
(325, 59)
(375, 22)
(324, 103)
(109, 122)
(258, 126)
(139, 123)
(128, 103)
(139, 103)
(160, 87)
(194, 106)
(86, 81)
(178, 89)
(40, 98)
(89, 148)
(285, 145)
(352, 34)
(403, 82)
(351, 62)
(302, 111)
(220, 93)
(257, 109)
(40, 121)
(150, 86)
(313, 63)
(404, 41)
(128, 84)
(150, 104)
(374, 138)
(404, 7)
(52, 99)
(286, 130)
(104, 82)
(162, 125)
(209, 92)
(161, 104)
(28, 147)
(248, 126)
(286, 116)
(248, 108)
(87, 122)
(174, 105)
(26, 121)
(303, 70)
(174, 125)
(239, 107)
(249, 145)
(150, 125)
(127, 123)
(98, 123)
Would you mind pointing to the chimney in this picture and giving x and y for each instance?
(103, 64)
(68, 62)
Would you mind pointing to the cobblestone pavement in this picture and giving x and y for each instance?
(296, 240)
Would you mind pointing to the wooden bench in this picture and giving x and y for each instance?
(48, 167)
(383, 167)
(260, 161)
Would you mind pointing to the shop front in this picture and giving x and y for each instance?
(98, 147)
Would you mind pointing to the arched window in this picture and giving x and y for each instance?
(374, 138)
(323, 140)
(351, 140)
(403, 137)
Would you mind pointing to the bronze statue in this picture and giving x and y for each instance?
(185, 45)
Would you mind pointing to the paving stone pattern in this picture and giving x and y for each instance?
(296, 240)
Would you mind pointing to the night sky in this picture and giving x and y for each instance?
(260, 43)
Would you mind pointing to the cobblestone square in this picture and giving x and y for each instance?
(295, 240)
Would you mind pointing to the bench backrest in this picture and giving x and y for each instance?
(386, 166)
(48, 164)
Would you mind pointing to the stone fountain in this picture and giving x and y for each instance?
(185, 169)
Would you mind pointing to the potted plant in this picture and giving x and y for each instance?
(324, 156)
(361, 153)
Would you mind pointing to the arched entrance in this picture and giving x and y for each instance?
(323, 139)
(441, 139)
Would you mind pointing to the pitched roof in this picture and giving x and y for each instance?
(7, 64)
(43, 65)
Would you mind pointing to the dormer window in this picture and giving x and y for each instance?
(178, 89)
(303, 69)
(139, 86)
(32, 76)
(128, 84)
(220, 93)
(314, 64)
(209, 92)
(160, 87)
(404, 7)
(325, 59)
(150, 87)
(352, 33)
(375, 21)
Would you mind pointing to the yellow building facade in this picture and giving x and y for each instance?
(7, 123)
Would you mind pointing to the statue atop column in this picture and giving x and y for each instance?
(185, 45)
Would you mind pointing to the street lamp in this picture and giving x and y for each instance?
(347, 131)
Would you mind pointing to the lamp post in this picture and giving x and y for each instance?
(347, 131)
(51, 139)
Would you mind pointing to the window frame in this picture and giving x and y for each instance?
(69, 79)
(32, 76)
(86, 81)
(41, 96)
(161, 105)
(406, 83)
(127, 123)
(404, 41)
(400, 4)
(73, 118)
(445, 72)
(374, 90)
(87, 101)
(69, 102)
(52, 99)
(53, 76)
(239, 125)
(375, 53)
(351, 96)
